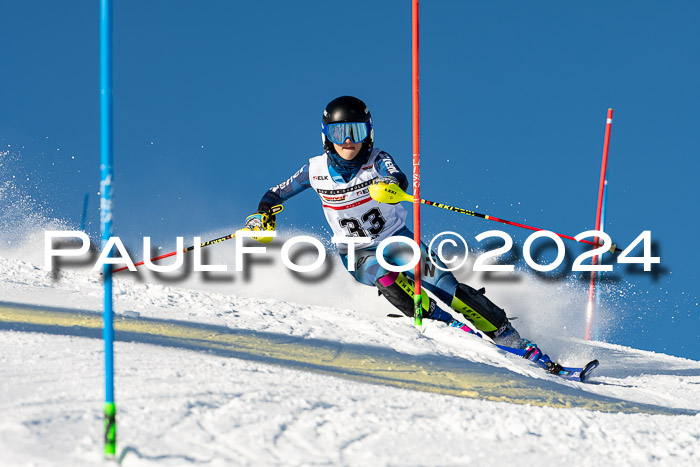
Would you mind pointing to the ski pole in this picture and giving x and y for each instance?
(391, 193)
(274, 210)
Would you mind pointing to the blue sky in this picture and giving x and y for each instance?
(216, 101)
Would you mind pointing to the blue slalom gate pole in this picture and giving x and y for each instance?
(106, 174)
(83, 218)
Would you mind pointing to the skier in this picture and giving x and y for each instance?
(341, 177)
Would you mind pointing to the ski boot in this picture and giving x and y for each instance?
(550, 366)
(534, 354)
(510, 339)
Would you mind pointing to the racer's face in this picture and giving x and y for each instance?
(348, 150)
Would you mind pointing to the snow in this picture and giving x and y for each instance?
(274, 370)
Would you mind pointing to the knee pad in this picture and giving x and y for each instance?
(478, 309)
(398, 289)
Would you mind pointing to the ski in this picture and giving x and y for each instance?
(579, 374)
(574, 373)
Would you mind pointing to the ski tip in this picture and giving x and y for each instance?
(588, 369)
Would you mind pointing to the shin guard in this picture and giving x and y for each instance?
(478, 309)
(398, 289)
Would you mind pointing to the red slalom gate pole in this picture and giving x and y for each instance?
(601, 192)
(417, 297)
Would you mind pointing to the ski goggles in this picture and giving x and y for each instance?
(338, 132)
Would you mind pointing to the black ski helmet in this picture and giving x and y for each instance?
(347, 109)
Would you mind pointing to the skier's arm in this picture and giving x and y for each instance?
(291, 187)
(386, 167)
(264, 219)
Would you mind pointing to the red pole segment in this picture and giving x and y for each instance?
(603, 168)
(418, 302)
(601, 191)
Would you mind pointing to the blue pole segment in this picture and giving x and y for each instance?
(83, 218)
(106, 177)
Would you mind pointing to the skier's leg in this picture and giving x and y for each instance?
(485, 315)
(473, 304)
(478, 309)
(399, 291)
(394, 286)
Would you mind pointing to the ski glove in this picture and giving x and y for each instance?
(261, 221)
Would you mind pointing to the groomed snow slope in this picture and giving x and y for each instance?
(181, 403)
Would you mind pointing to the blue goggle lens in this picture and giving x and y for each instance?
(338, 132)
